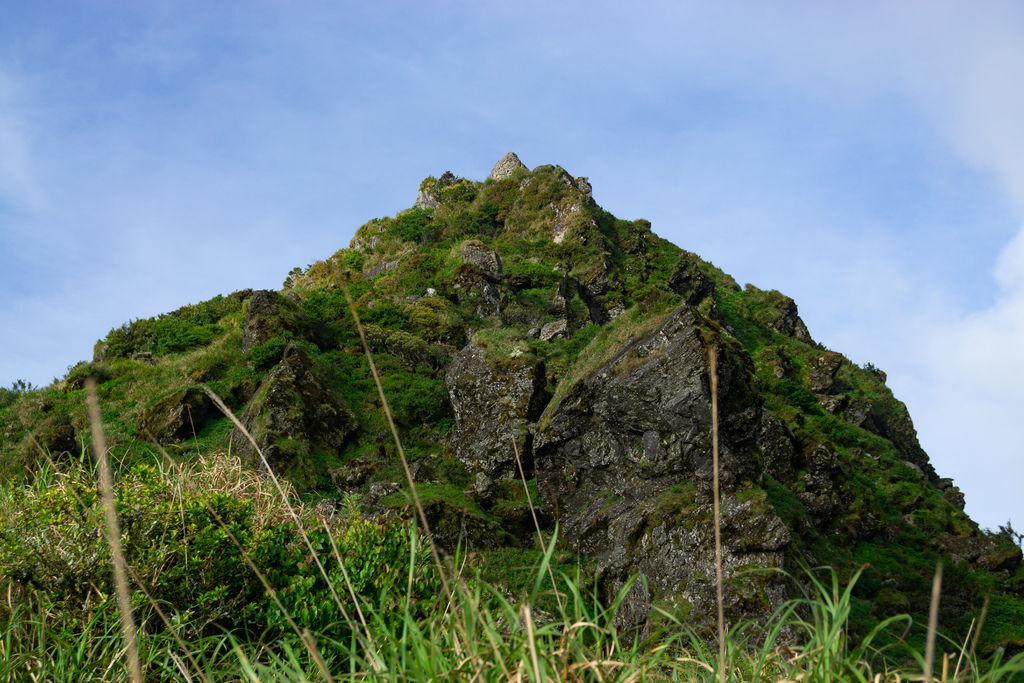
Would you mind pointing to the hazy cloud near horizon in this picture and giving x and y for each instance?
(867, 160)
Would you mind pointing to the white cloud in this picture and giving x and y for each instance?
(19, 185)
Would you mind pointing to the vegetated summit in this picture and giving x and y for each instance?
(515, 316)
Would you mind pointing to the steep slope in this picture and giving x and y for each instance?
(515, 315)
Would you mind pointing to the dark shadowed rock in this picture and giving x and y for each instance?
(689, 282)
(819, 495)
(56, 435)
(789, 321)
(777, 447)
(293, 412)
(176, 417)
(625, 459)
(494, 400)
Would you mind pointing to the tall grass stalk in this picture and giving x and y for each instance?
(113, 532)
(933, 624)
(719, 578)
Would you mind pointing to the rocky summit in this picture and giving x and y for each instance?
(536, 350)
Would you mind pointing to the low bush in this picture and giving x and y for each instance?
(186, 534)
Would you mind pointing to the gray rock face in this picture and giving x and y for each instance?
(625, 457)
(952, 492)
(557, 329)
(584, 186)
(819, 495)
(506, 166)
(821, 373)
(493, 403)
(484, 259)
(425, 200)
(293, 411)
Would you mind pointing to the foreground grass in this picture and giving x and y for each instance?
(486, 632)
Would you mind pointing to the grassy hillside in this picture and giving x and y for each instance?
(532, 270)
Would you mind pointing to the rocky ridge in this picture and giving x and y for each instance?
(520, 329)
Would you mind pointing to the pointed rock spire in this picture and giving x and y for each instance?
(506, 166)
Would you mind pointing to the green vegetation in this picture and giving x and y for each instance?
(371, 600)
(858, 496)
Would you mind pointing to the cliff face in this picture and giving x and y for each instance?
(513, 316)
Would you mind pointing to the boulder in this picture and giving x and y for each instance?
(494, 401)
(483, 258)
(952, 492)
(821, 372)
(625, 459)
(293, 412)
(177, 416)
(556, 329)
(506, 166)
(268, 316)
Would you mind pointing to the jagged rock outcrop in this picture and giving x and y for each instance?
(270, 315)
(625, 460)
(494, 401)
(789, 321)
(425, 200)
(506, 166)
(293, 412)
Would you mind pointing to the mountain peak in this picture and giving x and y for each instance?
(506, 166)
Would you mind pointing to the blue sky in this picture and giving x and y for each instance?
(866, 159)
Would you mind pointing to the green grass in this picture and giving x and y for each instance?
(539, 615)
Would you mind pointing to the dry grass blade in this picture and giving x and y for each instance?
(398, 443)
(284, 499)
(933, 623)
(536, 523)
(292, 514)
(977, 629)
(713, 362)
(113, 533)
(307, 638)
(963, 649)
(528, 624)
(138, 582)
(368, 645)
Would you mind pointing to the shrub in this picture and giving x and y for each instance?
(413, 225)
(185, 537)
(266, 355)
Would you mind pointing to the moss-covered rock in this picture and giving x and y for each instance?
(178, 416)
(294, 413)
(497, 388)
